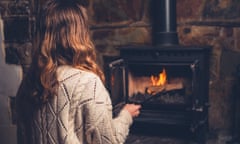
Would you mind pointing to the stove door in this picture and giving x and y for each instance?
(116, 83)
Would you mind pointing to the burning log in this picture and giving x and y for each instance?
(158, 91)
(165, 88)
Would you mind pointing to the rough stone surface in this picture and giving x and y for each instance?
(223, 9)
(187, 9)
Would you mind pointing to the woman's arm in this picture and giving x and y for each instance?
(100, 126)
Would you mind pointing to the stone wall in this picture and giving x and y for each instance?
(19, 26)
(117, 23)
(199, 22)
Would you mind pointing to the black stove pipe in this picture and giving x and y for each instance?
(164, 27)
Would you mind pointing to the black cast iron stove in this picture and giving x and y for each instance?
(170, 81)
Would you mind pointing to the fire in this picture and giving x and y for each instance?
(159, 80)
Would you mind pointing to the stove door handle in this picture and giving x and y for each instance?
(115, 63)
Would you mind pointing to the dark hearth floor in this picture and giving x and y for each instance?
(141, 139)
(214, 138)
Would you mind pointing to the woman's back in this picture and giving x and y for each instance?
(80, 112)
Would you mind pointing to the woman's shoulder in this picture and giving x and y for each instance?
(68, 72)
(74, 81)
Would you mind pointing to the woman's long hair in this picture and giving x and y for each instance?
(63, 39)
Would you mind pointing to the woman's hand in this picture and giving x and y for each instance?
(133, 109)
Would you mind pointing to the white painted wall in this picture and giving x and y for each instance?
(10, 78)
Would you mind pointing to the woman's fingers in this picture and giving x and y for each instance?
(133, 109)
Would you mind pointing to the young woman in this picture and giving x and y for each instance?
(63, 99)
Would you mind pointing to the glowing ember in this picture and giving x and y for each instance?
(159, 80)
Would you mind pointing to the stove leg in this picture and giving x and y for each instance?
(200, 135)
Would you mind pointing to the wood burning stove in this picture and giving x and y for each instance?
(182, 99)
(170, 81)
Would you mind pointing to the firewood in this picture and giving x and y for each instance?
(155, 89)
(167, 87)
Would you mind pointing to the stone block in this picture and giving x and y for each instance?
(17, 29)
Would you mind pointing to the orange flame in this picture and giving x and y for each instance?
(160, 80)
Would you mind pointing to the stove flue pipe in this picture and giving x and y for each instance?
(164, 26)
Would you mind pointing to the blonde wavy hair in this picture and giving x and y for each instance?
(63, 39)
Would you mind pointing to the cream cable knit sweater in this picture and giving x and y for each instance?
(80, 114)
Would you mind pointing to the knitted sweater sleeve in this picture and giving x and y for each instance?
(100, 126)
